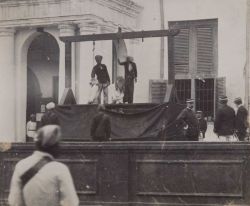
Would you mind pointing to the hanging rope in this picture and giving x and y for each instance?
(93, 53)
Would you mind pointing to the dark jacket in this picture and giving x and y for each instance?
(187, 117)
(101, 72)
(202, 124)
(241, 121)
(224, 123)
(129, 75)
(100, 127)
(50, 117)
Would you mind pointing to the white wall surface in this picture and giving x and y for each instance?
(231, 16)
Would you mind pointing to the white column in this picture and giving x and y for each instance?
(65, 30)
(86, 61)
(7, 86)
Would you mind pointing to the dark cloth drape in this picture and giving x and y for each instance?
(128, 122)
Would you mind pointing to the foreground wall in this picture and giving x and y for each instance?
(149, 173)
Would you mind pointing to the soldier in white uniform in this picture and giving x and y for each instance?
(51, 184)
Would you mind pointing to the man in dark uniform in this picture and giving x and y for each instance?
(187, 119)
(224, 124)
(100, 70)
(130, 78)
(100, 126)
(202, 123)
(50, 117)
(241, 121)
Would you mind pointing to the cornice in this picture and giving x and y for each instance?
(126, 7)
(12, 3)
(7, 31)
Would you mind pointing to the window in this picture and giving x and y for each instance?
(194, 57)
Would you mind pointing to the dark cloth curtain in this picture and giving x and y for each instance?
(128, 122)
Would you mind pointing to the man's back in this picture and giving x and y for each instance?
(51, 186)
(225, 120)
(100, 127)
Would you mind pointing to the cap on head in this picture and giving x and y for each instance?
(50, 106)
(48, 136)
(223, 99)
(98, 57)
(199, 112)
(130, 58)
(238, 100)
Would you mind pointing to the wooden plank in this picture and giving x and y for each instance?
(120, 35)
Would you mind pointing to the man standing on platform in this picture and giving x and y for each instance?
(187, 119)
(100, 70)
(241, 121)
(130, 78)
(224, 124)
(100, 127)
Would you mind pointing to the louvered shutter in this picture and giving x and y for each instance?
(181, 52)
(220, 89)
(205, 56)
(157, 90)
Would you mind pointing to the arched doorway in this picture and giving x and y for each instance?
(42, 73)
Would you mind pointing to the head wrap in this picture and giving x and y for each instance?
(190, 101)
(49, 135)
(50, 105)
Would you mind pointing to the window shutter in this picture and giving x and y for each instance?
(181, 52)
(220, 89)
(205, 57)
(157, 90)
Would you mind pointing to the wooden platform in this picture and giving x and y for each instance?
(149, 173)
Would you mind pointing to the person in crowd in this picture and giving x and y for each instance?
(93, 95)
(100, 70)
(100, 127)
(117, 93)
(224, 124)
(202, 123)
(130, 78)
(50, 117)
(31, 128)
(241, 120)
(187, 119)
(41, 180)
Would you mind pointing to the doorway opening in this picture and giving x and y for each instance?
(42, 73)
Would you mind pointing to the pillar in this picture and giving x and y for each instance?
(7, 86)
(66, 30)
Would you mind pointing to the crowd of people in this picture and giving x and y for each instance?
(123, 89)
(229, 125)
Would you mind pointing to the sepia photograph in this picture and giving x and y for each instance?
(124, 102)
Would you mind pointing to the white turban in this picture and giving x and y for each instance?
(49, 135)
(50, 105)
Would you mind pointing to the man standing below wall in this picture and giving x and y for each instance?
(224, 124)
(187, 119)
(41, 180)
(100, 70)
(130, 78)
(241, 122)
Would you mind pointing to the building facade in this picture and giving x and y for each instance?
(209, 55)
